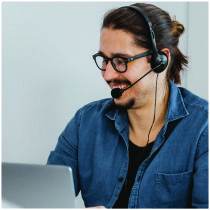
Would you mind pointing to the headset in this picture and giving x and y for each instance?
(159, 60)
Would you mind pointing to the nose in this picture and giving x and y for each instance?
(110, 73)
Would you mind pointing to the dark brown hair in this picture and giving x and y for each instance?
(167, 32)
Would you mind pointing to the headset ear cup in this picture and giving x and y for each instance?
(162, 60)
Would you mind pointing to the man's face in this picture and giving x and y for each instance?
(118, 42)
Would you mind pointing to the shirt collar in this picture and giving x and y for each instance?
(176, 105)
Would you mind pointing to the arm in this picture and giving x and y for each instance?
(66, 151)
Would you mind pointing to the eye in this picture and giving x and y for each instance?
(119, 64)
(119, 61)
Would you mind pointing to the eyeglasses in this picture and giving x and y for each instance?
(119, 63)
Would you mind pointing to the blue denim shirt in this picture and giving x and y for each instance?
(175, 175)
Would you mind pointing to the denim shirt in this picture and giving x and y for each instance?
(175, 175)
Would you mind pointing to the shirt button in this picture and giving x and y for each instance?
(120, 179)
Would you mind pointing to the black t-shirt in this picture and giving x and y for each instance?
(136, 156)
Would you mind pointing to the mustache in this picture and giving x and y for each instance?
(119, 82)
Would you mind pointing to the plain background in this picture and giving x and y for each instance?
(48, 72)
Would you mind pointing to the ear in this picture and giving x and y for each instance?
(167, 52)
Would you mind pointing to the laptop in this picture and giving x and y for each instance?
(37, 186)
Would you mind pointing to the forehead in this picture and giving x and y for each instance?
(113, 41)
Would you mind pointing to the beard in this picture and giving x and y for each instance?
(129, 104)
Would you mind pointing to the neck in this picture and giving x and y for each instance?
(140, 119)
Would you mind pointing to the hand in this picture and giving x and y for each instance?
(96, 207)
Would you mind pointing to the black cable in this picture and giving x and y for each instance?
(154, 110)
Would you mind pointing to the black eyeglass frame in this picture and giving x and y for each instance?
(126, 60)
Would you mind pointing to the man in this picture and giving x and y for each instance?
(147, 147)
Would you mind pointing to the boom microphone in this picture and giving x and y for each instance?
(117, 92)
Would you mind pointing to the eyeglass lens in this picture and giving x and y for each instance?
(117, 63)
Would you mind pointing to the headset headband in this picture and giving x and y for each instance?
(158, 58)
(152, 34)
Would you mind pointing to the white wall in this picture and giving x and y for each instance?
(48, 71)
(197, 75)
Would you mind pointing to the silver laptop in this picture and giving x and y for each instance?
(37, 186)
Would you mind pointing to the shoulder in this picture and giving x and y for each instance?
(197, 108)
(193, 101)
(97, 107)
(89, 114)
(102, 104)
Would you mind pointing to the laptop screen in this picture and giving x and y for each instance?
(37, 186)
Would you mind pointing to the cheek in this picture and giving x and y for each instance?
(146, 84)
(139, 67)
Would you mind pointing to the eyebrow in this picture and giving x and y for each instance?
(116, 54)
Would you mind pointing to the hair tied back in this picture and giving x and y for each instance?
(178, 27)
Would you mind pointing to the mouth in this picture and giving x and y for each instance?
(119, 84)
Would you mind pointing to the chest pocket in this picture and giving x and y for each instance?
(172, 190)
